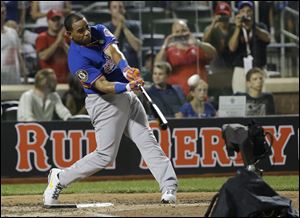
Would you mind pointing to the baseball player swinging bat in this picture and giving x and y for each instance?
(163, 123)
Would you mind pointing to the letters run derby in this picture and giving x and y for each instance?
(186, 153)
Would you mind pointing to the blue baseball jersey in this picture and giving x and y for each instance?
(89, 63)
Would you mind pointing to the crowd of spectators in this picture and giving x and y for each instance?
(234, 47)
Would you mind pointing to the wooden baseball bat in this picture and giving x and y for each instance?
(163, 123)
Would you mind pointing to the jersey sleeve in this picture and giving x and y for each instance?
(105, 34)
(84, 70)
(88, 76)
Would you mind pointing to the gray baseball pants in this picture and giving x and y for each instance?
(112, 115)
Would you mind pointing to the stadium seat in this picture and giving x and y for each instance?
(154, 40)
(273, 59)
(203, 23)
(97, 16)
(8, 104)
(164, 26)
(146, 49)
(80, 117)
(146, 16)
(92, 6)
(77, 7)
(195, 15)
(10, 114)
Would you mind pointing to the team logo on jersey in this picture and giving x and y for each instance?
(108, 33)
(82, 75)
(109, 65)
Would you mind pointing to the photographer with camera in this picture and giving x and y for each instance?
(217, 34)
(248, 44)
(186, 54)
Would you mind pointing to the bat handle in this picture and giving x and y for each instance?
(163, 123)
(163, 126)
(141, 87)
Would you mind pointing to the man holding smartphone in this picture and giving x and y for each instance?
(186, 54)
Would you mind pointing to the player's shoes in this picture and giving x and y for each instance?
(53, 189)
(169, 197)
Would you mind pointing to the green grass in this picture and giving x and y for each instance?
(212, 184)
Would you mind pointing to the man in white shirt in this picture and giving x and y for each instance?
(40, 103)
(12, 63)
(27, 40)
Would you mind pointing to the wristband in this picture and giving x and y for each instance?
(121, 87)
(123, 64)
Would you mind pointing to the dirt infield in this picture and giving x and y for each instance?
(125, 205)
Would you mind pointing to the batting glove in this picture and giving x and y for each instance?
(134, 85)
(132, 73)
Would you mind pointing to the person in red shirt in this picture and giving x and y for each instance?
(51, 47)
(186, 54)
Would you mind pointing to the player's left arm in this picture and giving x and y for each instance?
(117, 87)
(118, 57)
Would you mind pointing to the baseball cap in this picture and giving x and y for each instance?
(53, 13)
(223, 8)
(241, 4)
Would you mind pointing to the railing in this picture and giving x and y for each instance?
(96, 6)
(283, 33)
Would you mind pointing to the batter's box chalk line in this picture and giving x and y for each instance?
(78, 205)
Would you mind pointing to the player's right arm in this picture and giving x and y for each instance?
(91, 77)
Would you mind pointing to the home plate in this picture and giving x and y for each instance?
(79, 205)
